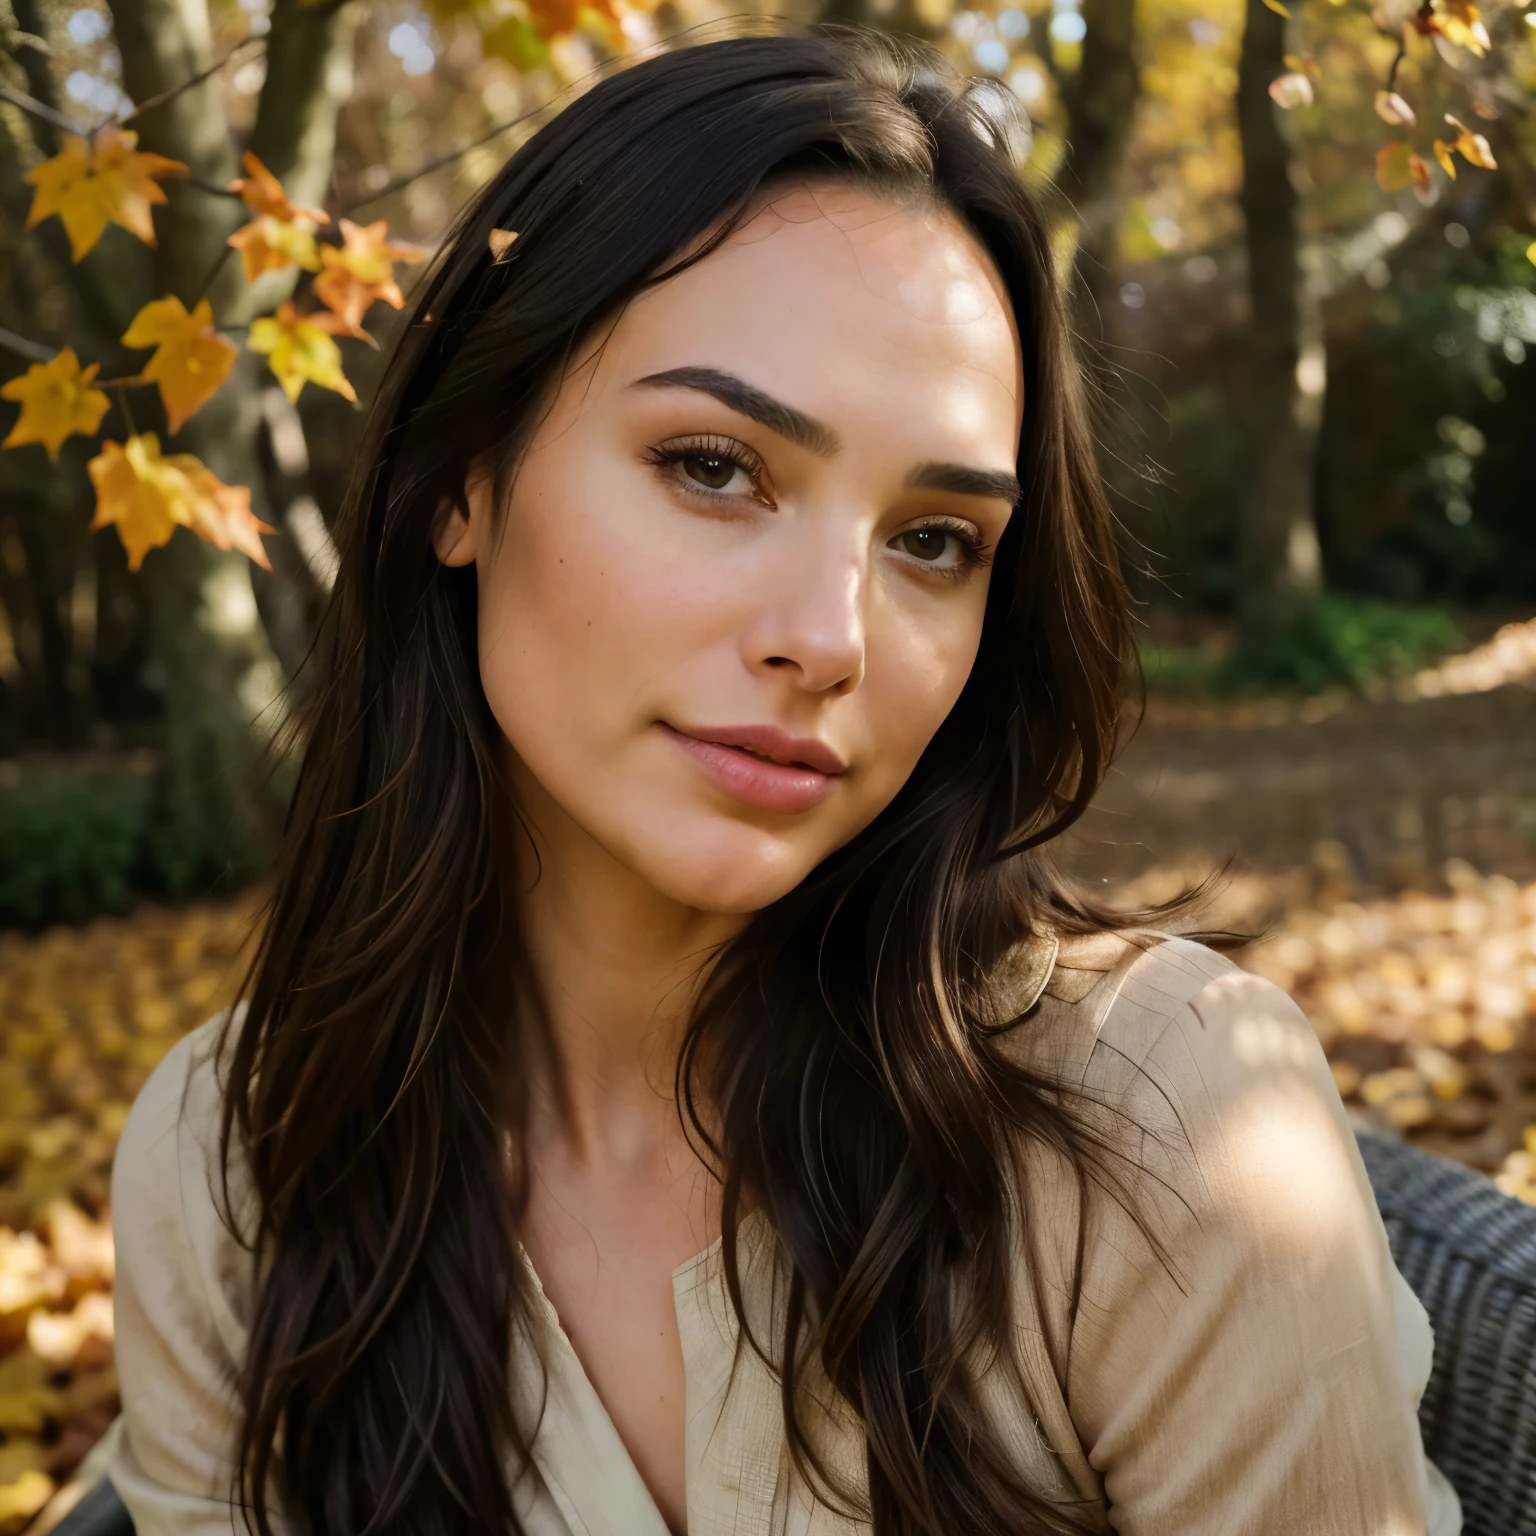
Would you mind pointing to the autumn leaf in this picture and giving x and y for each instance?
(191, 359)
(269, 244)
(1393, 171)
(1288, 91)
(280, 233)
(263, 194)
(57, 399)
(1530, 253)
(1446, 158)
(301, 349)
(362, 270)
(555, 18)
(1472, 147)
(1277, 8)
(1418, 174)
(1459, 22)
(1391, 108)
(147, 496)
(106, 181)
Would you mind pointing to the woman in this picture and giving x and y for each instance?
(674, 1092)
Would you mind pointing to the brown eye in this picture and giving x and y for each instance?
(925, 543)
(710, 470)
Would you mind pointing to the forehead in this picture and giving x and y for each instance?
(842, 302)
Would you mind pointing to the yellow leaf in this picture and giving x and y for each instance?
(1446, 158)
(301, 349)
(1472, 147)
(20, 1500)
(57, 399)
(263, 194)
(147, 496)
(1393, 171)
(269, 244)
(191, 359)
(1278, 8)
(1391, 108)
(1530, 253)
(360, 271)
(107, 181)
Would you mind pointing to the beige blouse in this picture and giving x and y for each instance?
(1260, 1382)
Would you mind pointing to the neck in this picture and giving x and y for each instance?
(618, 965)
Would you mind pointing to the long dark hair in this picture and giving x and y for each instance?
(845, 1054)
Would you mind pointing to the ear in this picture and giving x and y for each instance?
(453, 532)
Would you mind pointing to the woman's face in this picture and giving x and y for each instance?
(741, 576)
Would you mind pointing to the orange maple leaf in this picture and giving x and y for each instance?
(280, 234)
(362, 270)
(108, 181)
(268, 244)
(263, 193)
(191, 359)
(147, 495)
(57, 399)
(301, 349)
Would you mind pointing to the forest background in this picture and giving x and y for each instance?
(1301, 245)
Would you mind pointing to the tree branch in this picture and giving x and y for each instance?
(35, 108)
(186, 85)
(440, 161)
(33, 351)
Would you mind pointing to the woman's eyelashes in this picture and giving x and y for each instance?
(943, 546)
(719, 470)
(711, 468)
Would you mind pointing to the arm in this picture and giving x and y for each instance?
(182, 1290)
(1259, 1388)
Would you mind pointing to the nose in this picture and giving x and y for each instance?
(810, 621)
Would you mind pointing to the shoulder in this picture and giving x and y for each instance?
(1202, 1075)
(1113, 1010)
(170, 1221)
(174, 1122)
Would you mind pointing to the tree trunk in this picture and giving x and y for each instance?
(1101, 108)
(1279, 564)
(223, 680)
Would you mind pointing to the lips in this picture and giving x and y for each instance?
(762, 765)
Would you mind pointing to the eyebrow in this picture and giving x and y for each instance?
(963, 480)
(802, 430)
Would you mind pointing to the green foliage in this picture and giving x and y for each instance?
(76, 840)
(1339, 642)
(1350, 641)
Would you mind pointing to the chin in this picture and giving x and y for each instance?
(724, 866)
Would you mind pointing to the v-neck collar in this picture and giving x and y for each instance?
(576, 1432)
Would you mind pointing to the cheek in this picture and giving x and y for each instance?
(917, 666)
(585, 606)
